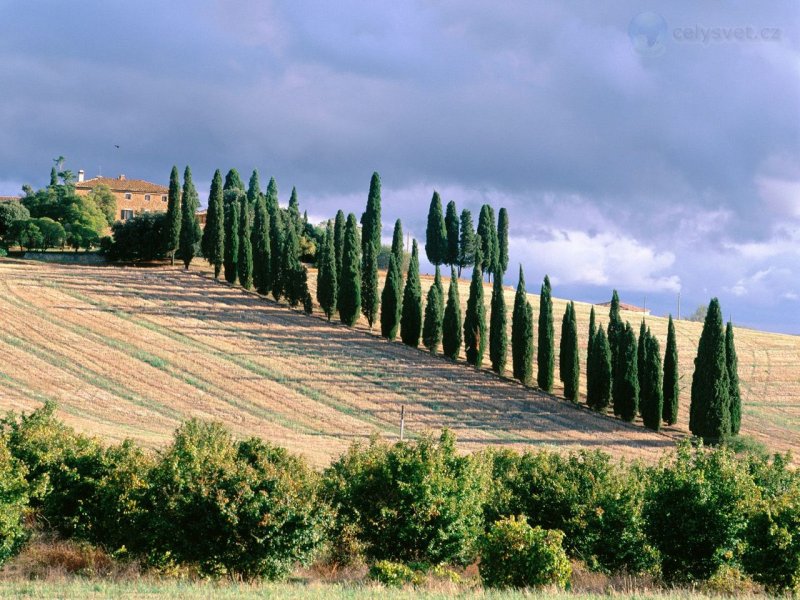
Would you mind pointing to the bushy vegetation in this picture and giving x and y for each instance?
(247, 509)
(514, 554)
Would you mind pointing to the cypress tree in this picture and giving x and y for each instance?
(732, 363)
(213, 243)
(628, 400)
(245, 262)
(434, 314)
(616, 332)
(641, 352)
(350, 286)
(231, 240)
(391, 299)
(651, 403)
(371, 220)
(487, 233)
(276, 234)
(397, 244)
(291, 268)
(451, 225)
(338, 243)
(233, 181)
(327, 286)
(411, 314)
(498, 338)
(53, 177)
(190, 228)
(370, 297)
(466, 241)
(563, 363)
(598, 382)
(572, 357)
(436, 233)
(308, 303)
(451, 323)
(253, 189)
(172, 227)
(475, 318)
(502, 240)
(522, 334)
(592, 333)
(671, 390)
(545, 356)
(709, 412)
(262, 248)
(293, 212)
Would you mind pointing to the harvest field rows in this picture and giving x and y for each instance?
(131, 352)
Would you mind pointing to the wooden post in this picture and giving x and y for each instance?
(402, 421)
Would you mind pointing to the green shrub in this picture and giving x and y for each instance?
(772, 551)
(695, 511)
(13, 501)
(597, 504)
(409, 501)
(392, 574)
(514, 554)
(243, 508)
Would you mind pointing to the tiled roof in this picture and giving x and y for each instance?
(122, 185)
(9, 198)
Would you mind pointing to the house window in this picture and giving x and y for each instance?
(147, 197)
(125, 214)
(163, 198)
(127, 196)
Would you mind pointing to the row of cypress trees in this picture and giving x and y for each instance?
(250, 239)
(182, 229)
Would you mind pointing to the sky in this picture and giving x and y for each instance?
(647, 146)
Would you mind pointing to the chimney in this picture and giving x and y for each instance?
(121, 177)
(81, 174)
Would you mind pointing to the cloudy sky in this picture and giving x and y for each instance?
(649, 146)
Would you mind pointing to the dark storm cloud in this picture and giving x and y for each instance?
(646, 164)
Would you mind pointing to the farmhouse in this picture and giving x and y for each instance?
(133, 195)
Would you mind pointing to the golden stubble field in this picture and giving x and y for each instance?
(131, 352)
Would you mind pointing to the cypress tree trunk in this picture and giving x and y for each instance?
(369, 283)
(498, 340)
(572, 380)
(338, 243)
(262, 248)
(502, 241)
(451, 324)
(213, 243)
(475, 318)
(616, 334)
(350, 286)
(435, 232)
(545, 356)
(628, 376)
(709, 412)
(652, 400)
(245, 262)
(522, 334)
(434, 314)
(598, 383)
(327, 286)
(451, 225)
(466, 241)
(732, 363)
(231, 239)
(671, 390)
(190, 232)
(411, 315)
(172, 227)
(392, 299)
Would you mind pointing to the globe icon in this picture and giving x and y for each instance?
(648, 34)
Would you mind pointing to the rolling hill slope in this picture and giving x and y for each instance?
(131, 352)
